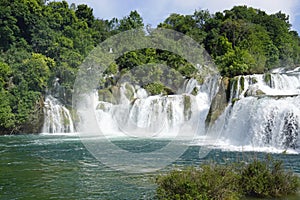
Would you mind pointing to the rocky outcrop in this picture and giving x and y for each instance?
(109, 95)
(219, 103)
(254, 91)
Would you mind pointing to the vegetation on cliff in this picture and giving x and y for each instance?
(42, 41)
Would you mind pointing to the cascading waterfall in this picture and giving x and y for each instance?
(263, 114)
(57, 117)
(156, 116)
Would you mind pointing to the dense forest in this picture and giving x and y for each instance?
(42, 42)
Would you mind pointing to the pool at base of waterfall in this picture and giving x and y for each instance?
(60, 167)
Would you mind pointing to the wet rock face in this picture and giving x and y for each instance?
(254, 91)
(219, 103)
(109, 95)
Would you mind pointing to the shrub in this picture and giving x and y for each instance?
(268, 179)
(208, 182)
(157, 88)
(232, 181)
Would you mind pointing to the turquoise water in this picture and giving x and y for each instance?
(60, 167)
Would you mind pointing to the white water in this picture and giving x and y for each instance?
(269, 121)
(263, 117)
(156, 116)
(280, 84)
(57, 118)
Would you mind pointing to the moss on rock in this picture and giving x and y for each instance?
(107, 96)
(187, 110)
(219, 103)
(268, 78)
(129, 93)
(254, 92)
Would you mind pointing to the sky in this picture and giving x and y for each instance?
(155, 11)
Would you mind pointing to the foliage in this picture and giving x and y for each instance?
(242, 40)
(208, 182)
(265, 39)
(157, 88)
(232, 181)
(7, 118)
(43, 41)
(268, 179)
(40, 42)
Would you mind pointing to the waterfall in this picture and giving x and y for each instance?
(263, 113)
(57, 118)
(138, 114)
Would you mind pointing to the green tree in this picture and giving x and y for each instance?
(85, 13)
(36, 71)
(235, 62)
(5, 74)
(191, 25)
(8, 25)
(7, 118)
(133, 21)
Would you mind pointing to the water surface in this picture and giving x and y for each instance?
(60, 167)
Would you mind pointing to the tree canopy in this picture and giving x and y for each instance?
(242, 40)
(43, 41)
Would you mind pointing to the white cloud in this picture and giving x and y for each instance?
(155, 11)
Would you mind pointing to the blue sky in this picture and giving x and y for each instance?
(155, 11)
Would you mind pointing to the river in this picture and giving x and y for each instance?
(60, 167)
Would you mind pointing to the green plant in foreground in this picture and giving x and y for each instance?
(208, 182)
(263, 179)
(268, 179)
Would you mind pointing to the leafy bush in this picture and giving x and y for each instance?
(233, 181)
(268, 179)
(157, 88)
(208, 182)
